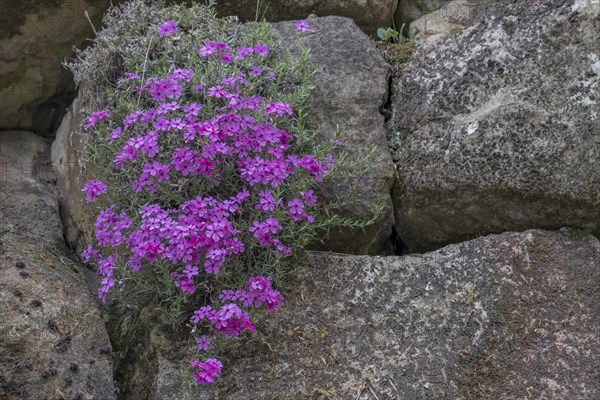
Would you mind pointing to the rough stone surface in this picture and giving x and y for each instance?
(497, 129)
(349, 94)
(510, 316)
(411, 10)
(435, 27)
(77, 216)
(35, 37)
(53, 343)
(369, 15)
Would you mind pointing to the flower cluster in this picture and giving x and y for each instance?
(206, 372)
(258, 292)
(167, 28)
(215, 177)
(95, 117)
(93, 189)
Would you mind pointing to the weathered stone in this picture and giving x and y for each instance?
(411, 10)
(497, 129)
(369, 15)
(433, 28)
(50, 321)
(349, 94)
(78, 217)
(35, 37)
(506, 316)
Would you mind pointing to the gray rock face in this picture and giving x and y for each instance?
(497, 129)
(433, 28)
(349, 94)
(368, 14)
(508, 316)
(53, 343)
(35, 37)
(78, 217)
(410, 10)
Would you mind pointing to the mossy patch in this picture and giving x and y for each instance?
(398, 55)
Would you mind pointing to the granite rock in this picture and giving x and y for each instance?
(54, 344)
(497, 129)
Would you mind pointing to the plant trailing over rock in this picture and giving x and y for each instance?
(207, 166)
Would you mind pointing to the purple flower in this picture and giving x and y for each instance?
(202, 343)
(315, 167)
(272, 225)
(213, 47)
(93, 189)
(193, 109)
(149, 144)
(200, 314)
(226, 58)
(267, 201)
(95, 117)
(156, 170)
(207, 371)
(187, 285)
(105, 286)
(243, 52)
(167, 28)
(216, 91)
(309, 197)
(303, 26)
(278, 108)
(261, 49)
(256, 71)
(131, 76)
(264, 230)
(182, 74)
(148, 115)
(89, 254)
(191, 271)
(330, 160)
(131, 119)
(296, 209)
(114, 134)
(184, 160)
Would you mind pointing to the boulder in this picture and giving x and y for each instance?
(369, 15)
(54, 344)
(410, 10)
(435, 27)
(77, 215)
(35, 38)
(349, 94)
(507, 316)
(497, 129)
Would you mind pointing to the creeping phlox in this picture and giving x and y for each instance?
(188, 129)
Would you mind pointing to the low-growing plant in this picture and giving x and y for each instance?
(390, 35)
(206, 166)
